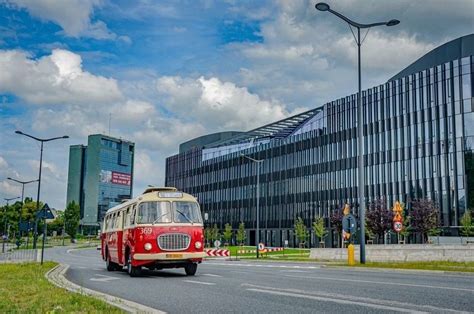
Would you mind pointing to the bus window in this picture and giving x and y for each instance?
(186, 212)
(126, 219)
(132, 216)
(154, 212)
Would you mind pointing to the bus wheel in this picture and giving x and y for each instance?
(190, 269)
(111, 266)
(133, 271)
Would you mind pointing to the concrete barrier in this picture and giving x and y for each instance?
(401, 253)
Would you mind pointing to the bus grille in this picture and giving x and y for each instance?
(174, 241)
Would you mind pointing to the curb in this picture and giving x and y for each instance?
(57, 277)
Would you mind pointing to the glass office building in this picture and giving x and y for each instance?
(418, 143)
(100, 176)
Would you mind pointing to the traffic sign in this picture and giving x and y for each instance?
(217, 243)
(26, 226)
(397, 226)
(45, 213)
(261, 246)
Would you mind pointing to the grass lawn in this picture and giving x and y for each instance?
(286, 253)
(440, 265)
(24, 289)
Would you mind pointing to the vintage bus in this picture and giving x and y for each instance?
(162, 228)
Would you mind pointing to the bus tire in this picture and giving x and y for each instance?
(190, 269)
(111, 266)
(133, 271)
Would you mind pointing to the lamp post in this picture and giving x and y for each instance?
(360, 124)
(23, 183)
(42, 141)
(5, 221)
(257, 233)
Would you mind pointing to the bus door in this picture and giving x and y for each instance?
(128, 215)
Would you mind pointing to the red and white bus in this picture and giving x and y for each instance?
(162, 228)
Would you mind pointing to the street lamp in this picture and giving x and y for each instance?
(5, 220)
(257, 233)
(325, 7)
(23, 183)
(42, 140)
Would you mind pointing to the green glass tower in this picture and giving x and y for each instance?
(100, 176)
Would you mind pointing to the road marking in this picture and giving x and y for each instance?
(104, 278)
(265, 265)
(200, 282)
(293, 271)
(382, 283)
(340, 301)
(351, 298)
(211, 275)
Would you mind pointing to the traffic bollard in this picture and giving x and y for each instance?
(350, 255)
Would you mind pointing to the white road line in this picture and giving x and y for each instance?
(293, 271)
(265, 265)
(212, 275)
(340, 301)
(200, 282)
(351, 298)
(382, 283)
(104, 278)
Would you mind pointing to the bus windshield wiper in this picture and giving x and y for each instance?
(184, 215)
(156, 220)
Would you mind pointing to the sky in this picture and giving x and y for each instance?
(169, 71)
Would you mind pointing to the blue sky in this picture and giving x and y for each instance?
(168, 71)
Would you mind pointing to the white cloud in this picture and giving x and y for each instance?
(54, 79)
(218, 105)
(74, 16)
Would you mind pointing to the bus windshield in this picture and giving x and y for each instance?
(186, 212)
(154, 212)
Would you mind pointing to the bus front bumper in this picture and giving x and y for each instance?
(168, 256)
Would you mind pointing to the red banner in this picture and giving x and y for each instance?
(121, 178)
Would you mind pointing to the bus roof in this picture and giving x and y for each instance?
(156, 194)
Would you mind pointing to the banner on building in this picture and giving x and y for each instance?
(107, 176)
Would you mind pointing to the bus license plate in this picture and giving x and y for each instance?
(174, 255)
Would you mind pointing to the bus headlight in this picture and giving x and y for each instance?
(147, 246)
(198, 245)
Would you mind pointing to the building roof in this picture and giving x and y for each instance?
(455, 49)
(276, 130)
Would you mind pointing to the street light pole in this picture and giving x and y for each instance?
(23, 183)
(257, 232)
(360, 124)
(5, 221)
(42, 140)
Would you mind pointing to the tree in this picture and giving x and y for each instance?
(467, 225)
(300, 231)
(406, 229)
(424, 217)
(336, 222)
(319, 228)
(215, 235)
(208, 235)
(57, 224)
(227, 233)
(71, 219)
(379, 218)
(241, 235)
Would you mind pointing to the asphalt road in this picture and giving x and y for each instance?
(263, 287)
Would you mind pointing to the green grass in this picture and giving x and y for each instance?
(297, 253)
(24, 289)
(439, 265)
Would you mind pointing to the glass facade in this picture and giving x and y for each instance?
(100, 176)
(418, 142)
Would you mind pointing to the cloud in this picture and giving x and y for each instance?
(218, 105)
(74, 16)
(54, 79)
